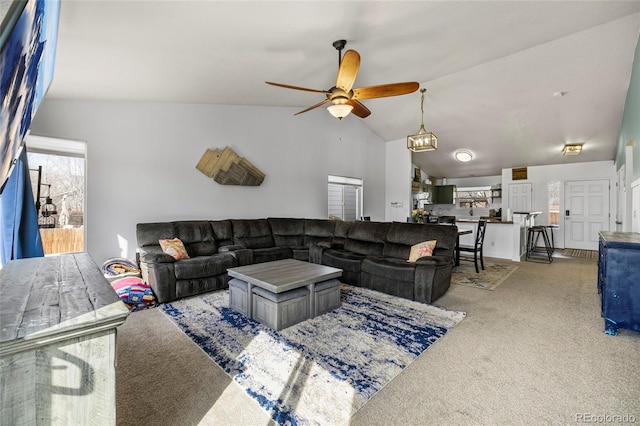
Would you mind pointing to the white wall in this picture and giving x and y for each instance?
(540, 176)
(399, 174)
(471, 182)
(141, 161)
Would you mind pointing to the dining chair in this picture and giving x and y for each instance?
(476, 249)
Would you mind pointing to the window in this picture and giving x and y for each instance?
(57, 169)
(554, 203)
(345, 198)
(474, 197)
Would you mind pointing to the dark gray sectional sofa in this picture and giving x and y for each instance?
(371, 254)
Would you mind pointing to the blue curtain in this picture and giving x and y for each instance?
(18, 216)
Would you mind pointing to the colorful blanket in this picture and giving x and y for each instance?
(119, 266)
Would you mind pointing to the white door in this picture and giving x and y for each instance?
(621, 197)
(520, 197)
(586, 205)
(635, 213)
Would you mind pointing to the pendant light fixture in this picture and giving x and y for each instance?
(423, 140)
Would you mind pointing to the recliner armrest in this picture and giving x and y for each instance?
(434, 260)
(157, 258)
(243, 256)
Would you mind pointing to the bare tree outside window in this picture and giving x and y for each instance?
(554, 203)
(62, 199)
(474, 197)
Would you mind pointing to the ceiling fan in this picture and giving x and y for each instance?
(343, 98)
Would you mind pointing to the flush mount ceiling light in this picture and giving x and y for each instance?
(572, 149)
(463, 155)
(423, 140)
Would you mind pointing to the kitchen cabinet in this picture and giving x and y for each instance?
(437, 194)
(619, 280)
(431, 191)
(445, 194)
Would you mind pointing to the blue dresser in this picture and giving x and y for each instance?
(619, 280)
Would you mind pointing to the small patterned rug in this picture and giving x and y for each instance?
(322, 370)
(493, 275)
(588, 254)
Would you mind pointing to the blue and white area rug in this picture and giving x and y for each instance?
(322, 370)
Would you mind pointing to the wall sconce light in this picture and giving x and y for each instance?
(572, 149)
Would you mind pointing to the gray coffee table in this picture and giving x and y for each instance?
(282, 276)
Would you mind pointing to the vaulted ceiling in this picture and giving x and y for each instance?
(491, 69)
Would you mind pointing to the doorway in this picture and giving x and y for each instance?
(344, 198)
(586, 212)
(58, 178)
(520, 197)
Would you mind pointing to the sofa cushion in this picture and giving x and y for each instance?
(222, 232)
(204, 266)
(197, 236)
(318, 230)
(341, 232)
(252, 233)
(367, 238)
(149, 235)
(287, 232)
(389, 268)
(402, 236)
(271, 253)
(300, 253)
(342, 259)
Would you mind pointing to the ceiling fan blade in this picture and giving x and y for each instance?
(385, 90)
(348, 70)
(359, 109)
(312, 107)
(286, 86)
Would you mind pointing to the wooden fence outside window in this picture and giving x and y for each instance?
(62, 240)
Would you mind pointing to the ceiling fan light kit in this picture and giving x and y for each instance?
(572, 149)
(340, 111)
(423, 140)
(343, 98)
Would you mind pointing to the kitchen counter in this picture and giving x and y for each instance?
(488, 221)
(500, 241)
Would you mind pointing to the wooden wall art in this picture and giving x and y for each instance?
(519, 173)
(228, 168)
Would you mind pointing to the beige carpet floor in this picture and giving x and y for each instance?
(532, 351)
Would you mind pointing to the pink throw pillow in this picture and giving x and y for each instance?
(422, 249)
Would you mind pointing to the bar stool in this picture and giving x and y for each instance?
(533, 234)
(551, 228)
